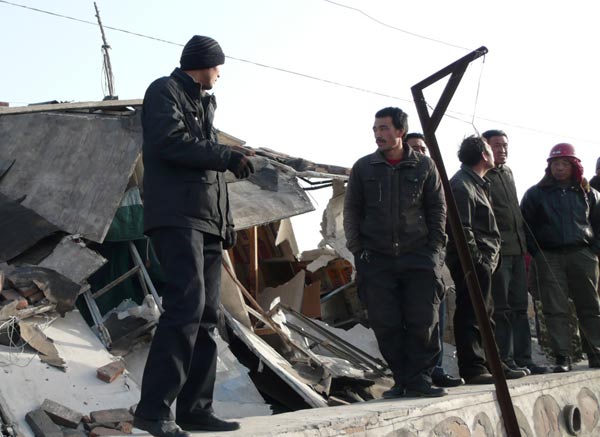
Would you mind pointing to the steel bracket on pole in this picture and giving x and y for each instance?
(430, 123)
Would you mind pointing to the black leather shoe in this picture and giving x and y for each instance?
(425, 391)
(515, 366)
(209, 423)
(396, 391)
(563, 364)
(160, 428)
(539, 370)
(483, 378)
(446, 380)
(514, 374)
(593, 362)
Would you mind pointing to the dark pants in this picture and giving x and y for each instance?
(438, 370)
(509, 291)
(402, 305)
(469, 343)
(182, 361)
(565, 274)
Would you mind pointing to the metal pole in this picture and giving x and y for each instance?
(429, 125)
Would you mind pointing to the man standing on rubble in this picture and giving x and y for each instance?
(394, 220)
(470, 187)
(187, 216)
(509, 281)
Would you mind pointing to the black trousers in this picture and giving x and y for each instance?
(509, 290)
(402, 304)
(182, 362)
(469, 343)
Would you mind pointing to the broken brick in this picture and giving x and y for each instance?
(126, 427)
(60, 414)
(11, 295)
(42, 425)
(114, 415)
(28, 291)
(110, 371)
(34, 298)
(102, 431)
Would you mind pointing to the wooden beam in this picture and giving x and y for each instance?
(53, 107)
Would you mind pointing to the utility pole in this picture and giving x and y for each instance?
(107, 67)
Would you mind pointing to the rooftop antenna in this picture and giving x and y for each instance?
(106, 67)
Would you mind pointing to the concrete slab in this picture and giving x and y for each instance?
(540, 402)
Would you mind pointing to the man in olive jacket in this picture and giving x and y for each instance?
(394, 221)
(509, 281)
(187, 216)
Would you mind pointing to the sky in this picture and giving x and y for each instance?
(305, 77)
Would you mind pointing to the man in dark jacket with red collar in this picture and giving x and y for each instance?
(188, 218)
(394, 221)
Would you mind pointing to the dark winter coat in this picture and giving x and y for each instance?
(471, 193)
(184, 184)
(395, 209)
(561, 216)
(503, 194)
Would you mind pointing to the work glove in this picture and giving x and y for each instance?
(230, 238)
(240, 165)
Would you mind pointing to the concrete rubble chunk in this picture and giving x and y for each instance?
(42, 425)
(60, 414)
(111, 371)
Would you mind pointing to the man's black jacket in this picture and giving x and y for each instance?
(471, 193)
(561, 216)
(395, 209)
(506, 210)
(184, 184)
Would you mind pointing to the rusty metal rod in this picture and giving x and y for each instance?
(429, 125)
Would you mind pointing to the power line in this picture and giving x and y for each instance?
(389, 26)
(307, 76)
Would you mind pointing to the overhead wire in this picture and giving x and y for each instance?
(307, 76)
(389, 26)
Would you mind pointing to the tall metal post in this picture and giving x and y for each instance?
(429, 124)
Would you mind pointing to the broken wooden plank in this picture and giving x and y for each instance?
(52, 107)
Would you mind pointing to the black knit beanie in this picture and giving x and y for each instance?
(201, 52)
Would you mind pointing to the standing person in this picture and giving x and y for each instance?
(563, 216)
(187, 216)
(595, 181)
(394, 219)
(439, 377)
(509, 281)
(471, 192)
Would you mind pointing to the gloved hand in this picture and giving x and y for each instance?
(230, 238)
(240, 165)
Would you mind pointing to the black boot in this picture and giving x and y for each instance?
(208, 422)
(563, 364)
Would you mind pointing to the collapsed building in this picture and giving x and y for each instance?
(80, 287)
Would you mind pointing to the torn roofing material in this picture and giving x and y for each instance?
(22, 228)
(71, 168)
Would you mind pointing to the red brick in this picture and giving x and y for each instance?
(114, 415)
(100, 431)
(110, 371)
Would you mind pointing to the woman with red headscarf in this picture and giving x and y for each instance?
(562, 214)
